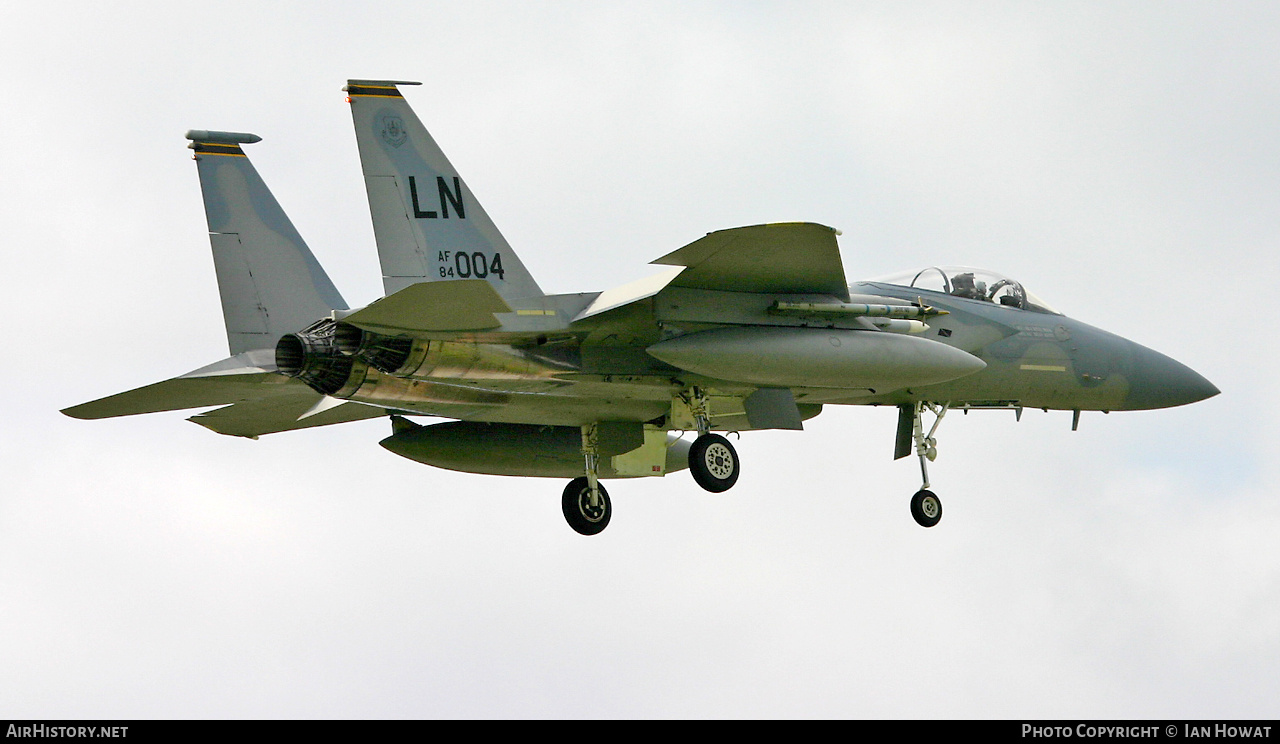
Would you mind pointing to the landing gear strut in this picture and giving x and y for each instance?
(712, 460)
(584, 502)
(926, 507)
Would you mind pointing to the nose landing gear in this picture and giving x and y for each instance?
(926, 507)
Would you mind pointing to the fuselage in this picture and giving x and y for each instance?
(1042, 359)
(568, 370)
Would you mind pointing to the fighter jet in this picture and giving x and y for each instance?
(749, 328)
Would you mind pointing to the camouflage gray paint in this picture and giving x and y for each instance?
(1046, 360)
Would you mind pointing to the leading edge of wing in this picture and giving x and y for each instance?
(784, 258)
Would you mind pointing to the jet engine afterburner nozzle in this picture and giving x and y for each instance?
(383, 353)
(312, 356)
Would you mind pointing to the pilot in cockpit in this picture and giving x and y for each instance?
(963, 285)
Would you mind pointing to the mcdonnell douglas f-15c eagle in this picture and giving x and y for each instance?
(756, 328)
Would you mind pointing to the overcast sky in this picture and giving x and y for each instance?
(1121, 159)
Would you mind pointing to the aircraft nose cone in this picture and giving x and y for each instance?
(1156, 381)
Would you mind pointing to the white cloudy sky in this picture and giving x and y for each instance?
(1121, 158)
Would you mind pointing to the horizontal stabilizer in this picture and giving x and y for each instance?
(288, 412)
(785, 258)
(232, 380)
(459, 305)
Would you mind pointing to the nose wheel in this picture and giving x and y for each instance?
(926, 508)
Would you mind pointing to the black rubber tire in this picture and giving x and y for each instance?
(926, 508)
(714, 463)
(577, 512)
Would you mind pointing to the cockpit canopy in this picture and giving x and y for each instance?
(972, 284)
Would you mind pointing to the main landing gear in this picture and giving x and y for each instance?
(712, 460)
(713, 463)
(585, 502)
(926, 507)
(586, 513)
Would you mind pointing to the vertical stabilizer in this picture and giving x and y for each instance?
(270, 282)
(428, 224)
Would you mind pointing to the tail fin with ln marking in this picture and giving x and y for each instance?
(269, 281)
(428, 224)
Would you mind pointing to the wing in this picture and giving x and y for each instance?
(789, 257)
(257, 399)
(237, 378)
